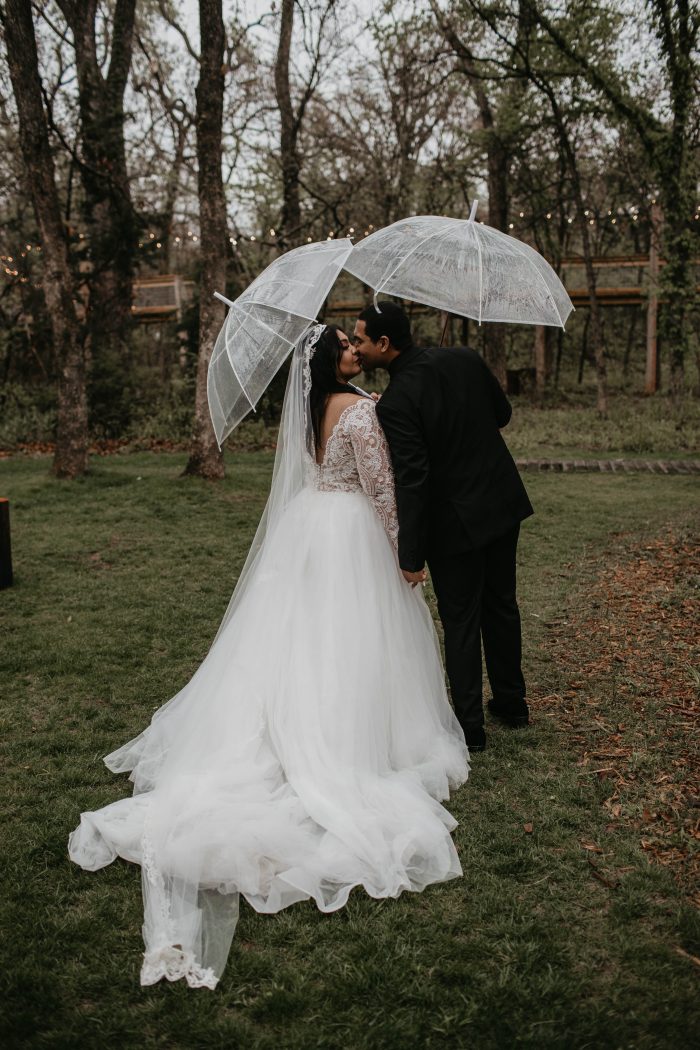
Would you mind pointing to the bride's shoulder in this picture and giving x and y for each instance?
(339, 403)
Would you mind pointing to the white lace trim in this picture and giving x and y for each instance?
(174, 964)
(313, 337)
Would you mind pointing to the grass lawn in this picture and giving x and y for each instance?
(121, 580)
(636, 427)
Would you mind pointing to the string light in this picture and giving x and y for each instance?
(632, 215)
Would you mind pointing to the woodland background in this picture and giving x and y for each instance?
(152, 152)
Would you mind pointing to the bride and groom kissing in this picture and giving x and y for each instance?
(287, 769)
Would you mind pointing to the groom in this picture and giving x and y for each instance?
(460, 502)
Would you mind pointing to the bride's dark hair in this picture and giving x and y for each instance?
(324, 376)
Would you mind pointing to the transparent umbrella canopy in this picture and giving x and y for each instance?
(264, 323)
(464, 267)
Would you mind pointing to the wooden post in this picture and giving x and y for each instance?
(540, 361)
(651, 378)
(5, 552)
(446, 322)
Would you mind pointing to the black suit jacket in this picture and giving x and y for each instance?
(457, 486)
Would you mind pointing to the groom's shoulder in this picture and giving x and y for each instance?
(451, 360)
(458, 354)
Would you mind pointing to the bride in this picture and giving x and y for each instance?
(309, 752)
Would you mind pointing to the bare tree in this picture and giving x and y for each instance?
(70, 459)
(205, 459)
(513, 32)
(670, 145)
(315, 26)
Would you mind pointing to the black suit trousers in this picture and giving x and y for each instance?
(477, 602)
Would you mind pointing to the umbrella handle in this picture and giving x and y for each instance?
(376, 304)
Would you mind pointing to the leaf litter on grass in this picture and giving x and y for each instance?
(631, 702)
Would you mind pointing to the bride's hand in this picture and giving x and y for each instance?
(414, 577)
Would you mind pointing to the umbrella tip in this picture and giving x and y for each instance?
(472, 213)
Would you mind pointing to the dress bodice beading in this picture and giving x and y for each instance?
(357, 460)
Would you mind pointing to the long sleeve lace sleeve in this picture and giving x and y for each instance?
(374, 465)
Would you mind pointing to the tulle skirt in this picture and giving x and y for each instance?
(308, 755)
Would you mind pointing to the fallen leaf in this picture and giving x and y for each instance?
(591, 846)
(527, 828)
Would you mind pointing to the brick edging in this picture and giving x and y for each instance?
(614, 466)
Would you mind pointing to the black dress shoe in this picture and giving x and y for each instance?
(475, 738)
(515, 715)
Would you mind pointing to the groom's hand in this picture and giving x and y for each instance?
(414, 577)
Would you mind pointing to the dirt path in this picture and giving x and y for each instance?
(628, 652)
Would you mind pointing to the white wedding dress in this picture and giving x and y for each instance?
(311, 749)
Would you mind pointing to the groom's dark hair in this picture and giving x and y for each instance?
(392, 321)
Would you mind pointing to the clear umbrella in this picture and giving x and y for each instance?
(464, 267)
(264, 323)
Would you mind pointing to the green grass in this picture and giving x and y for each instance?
(121, 580)
(569, 426)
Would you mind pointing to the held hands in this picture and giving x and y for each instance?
(414, 577)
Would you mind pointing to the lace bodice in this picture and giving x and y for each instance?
(357, 459)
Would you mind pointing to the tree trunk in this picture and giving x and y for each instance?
(290, 221)
(498, 159)
(206, 459)
(543, 360)
(70, 459)
(677, 284)
(596, 324)
(171, 193)
(107, 207)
